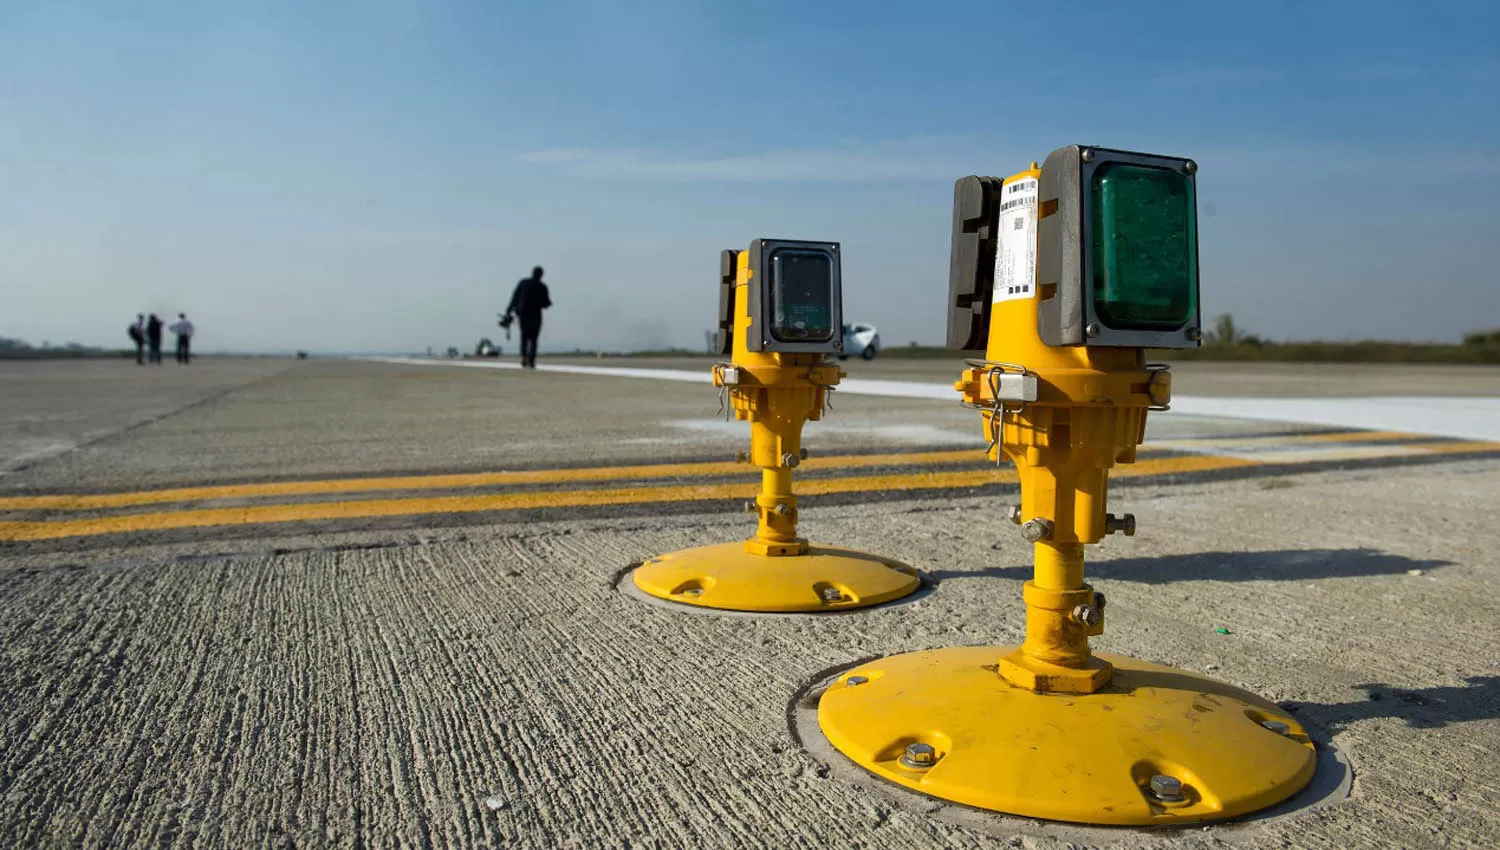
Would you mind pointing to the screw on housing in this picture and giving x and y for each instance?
(919, 756)
(1036, 529)
(1167, 789)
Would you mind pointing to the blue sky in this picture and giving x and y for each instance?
(376, 176)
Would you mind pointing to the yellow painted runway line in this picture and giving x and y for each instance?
(372, 508)
(1463, 447)
(1258, 440)
(1331, 451)
(460, 480)
(75, 502)
(1345, 437)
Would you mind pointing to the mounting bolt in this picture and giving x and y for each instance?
(790, 460)
(802, 453)
(1086, 615)
(1190, 167)
(1167, 789)
(1193, 334)
(1099, 601)
(1094, 329)
(1125, 524)
(1015, 514)
(782, 509)
(1036, 529)
(1087, 155)
(852, 681)
(1277, 726)
(751, 507)
(919, 756)
(830, 594)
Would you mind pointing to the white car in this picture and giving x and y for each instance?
(860, 339)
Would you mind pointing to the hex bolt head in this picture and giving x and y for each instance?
(1086, 615)
(919, 756)
(790, 460)
(1015, 514)
(1190, 167)
(1036, 529)
(1167, 789)
(1277, 726)
(1099, 601)
(751, 507)
(1087, 155)
(1093, 329)
(783, 510)
(854, 681)
(830, 594)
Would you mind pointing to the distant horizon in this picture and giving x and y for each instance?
(296, 175)
(513, 349)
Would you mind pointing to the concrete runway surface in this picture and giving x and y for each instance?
(269, 603)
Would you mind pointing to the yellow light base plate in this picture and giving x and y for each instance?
(727, 577)
(1081, 758)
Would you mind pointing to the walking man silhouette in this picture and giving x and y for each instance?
(527, 303)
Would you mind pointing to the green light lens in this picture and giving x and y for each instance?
(801, 295)
(1145, 247)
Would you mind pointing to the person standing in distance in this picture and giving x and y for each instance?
(137, 333)
(153, 339)
(527, 303)
(184, 330)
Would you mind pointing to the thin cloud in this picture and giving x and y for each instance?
(915, 160)
(1210, 77)
(1230, 77)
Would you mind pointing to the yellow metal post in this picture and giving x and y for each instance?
(1090, 412)
(778, 393)
(774, 570)
(1048, 729)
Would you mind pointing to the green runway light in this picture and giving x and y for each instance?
(802, 295)
(1145, 247)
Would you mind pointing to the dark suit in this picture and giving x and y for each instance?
(153, 340)
(527, 303)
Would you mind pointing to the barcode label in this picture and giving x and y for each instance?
(1015, 249)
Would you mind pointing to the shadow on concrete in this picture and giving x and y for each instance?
(1288, 565)
(1423, 708)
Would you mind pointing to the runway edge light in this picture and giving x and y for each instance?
(780, 318)
(1117, 249)
(1064, 274)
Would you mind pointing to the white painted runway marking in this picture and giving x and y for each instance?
(1460, 417)
(714, 430)
(853, 386)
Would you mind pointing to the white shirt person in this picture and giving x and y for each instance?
(184, 330)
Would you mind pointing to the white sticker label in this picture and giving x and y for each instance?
(1015, 244)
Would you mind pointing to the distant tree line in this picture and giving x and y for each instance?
(1225, 341)
(17, 349)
